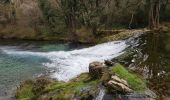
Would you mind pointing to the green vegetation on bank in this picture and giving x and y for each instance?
(72, 87)
(57, 90)
(25, 93)
(81, 87)
(135, 82)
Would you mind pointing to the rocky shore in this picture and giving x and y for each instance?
(106, 81)
(117, 81)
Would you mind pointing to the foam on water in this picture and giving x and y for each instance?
(69, 64)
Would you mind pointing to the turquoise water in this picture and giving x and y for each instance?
(24, 60)
(16, 68)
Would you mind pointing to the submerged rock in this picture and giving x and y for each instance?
(96, 69)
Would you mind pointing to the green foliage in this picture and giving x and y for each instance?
(52, 17)
(133, 80)
(68, 16)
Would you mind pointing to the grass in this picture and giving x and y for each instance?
(26, 92)
(32, 90)
(74, 85)
(60, 90)
(134, 81)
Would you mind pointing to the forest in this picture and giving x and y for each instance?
(78, 18)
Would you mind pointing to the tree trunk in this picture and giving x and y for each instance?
(131, 20)
(154, 14)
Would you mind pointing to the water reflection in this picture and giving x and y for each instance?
(153, 61)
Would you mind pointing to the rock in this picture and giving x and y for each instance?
(105, 77)
(108, 63)
(119, 85)
(150, 94)
(87, 93)
(96, 69)
(117, 79)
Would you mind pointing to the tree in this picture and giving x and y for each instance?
(154, 13)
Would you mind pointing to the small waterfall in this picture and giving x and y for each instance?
(69, 64)
(101, 94)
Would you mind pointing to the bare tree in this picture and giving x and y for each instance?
(154, 13)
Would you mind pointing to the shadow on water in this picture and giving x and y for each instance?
(152, 60)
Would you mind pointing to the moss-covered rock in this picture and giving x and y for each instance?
(82, 87)
(43, 89)
(135, 81)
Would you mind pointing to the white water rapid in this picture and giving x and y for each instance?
(69, 64)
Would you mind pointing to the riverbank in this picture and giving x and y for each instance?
(60, 62)
(82, 84)
(87, 86)
(107, 50)
(122, 35)
(101, 37)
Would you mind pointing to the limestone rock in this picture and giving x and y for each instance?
(96, 69)
(117, 79)
(119, 85)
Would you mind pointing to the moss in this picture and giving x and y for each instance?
(135, 82)
(42, 89)
(74, 86)
(25, 91)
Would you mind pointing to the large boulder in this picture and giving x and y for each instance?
(96, 69)
(118, 84)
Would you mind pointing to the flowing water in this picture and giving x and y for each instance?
(15, 68)
(24, 60)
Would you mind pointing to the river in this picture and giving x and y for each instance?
(22, 60)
